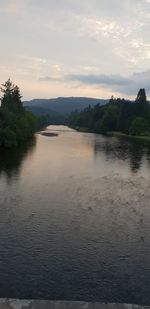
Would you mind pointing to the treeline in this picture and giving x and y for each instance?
(118, 115)
(16, 125)
(46, 116)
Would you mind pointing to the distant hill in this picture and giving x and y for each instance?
(60, 106)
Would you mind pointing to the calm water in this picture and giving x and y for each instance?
(75, 219)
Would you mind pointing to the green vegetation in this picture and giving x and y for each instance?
(16, 125)
(119, 115)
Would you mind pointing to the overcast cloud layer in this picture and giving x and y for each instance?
(76, 47)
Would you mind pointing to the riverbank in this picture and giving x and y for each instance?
(46, 304)
(131, 137)
(80, 129)
(117, 134)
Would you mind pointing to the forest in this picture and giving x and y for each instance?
(16, 124)
(119, 115)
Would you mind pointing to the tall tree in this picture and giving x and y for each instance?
(141, 96)
(11, 99)
(16, 125)
(141, 104)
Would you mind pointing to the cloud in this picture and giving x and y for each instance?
(50, 79)
(117, 83)
(100, 79)
(91, 45)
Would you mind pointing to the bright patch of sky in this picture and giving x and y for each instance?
(76, 47)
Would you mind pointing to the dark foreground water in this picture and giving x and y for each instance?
(75, 219)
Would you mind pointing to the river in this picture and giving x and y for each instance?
(75, 218)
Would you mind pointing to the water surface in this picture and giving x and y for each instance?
(75, 219)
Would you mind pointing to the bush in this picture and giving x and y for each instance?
(139, 126)
(7, 138)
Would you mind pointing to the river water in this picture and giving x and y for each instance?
(75, 219)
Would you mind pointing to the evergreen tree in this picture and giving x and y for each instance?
(141, 104)
(16, 124)
(7, 88)
(118, 115)
(141, 96)
(11, 99)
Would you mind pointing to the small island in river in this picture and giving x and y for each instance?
(52, 134)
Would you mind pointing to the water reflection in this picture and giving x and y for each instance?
(77, 223)
(137, 154)
(11, 159)
(134, 152)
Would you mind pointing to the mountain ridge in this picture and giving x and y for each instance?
(61, 105)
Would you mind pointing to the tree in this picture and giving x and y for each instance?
(139, 126)
(110, 119)
(7, 88)
(16, 124)
(7, 137)
(141, 104)
(118, 115)
(141, 96)
(11, 99)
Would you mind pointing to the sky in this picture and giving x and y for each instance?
(92, 48)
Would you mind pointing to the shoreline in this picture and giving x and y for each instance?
(45, 304)
(141, 138)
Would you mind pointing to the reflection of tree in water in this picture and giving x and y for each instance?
(123, 149)
(148, 156)
(137, 151)
(11, 159)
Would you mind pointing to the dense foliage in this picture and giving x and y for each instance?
(118, 115)
(16, 124)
